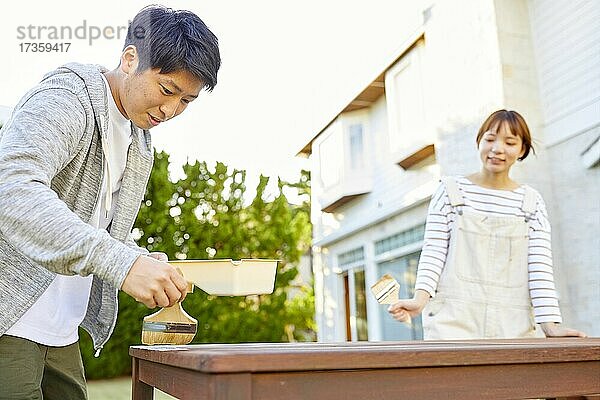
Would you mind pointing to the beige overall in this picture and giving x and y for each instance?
(483, 291)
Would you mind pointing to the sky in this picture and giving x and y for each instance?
(288, 67)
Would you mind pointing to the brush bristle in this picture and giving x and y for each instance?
(384, 292)
(169, 327)
(386, 289)
(154, 332)
(150, 338)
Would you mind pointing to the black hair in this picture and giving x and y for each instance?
(174, 40)
(517, 125)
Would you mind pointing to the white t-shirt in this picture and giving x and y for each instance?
(54, 318)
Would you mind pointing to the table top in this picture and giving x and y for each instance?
(310, 356)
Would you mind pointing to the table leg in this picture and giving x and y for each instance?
(139, 389)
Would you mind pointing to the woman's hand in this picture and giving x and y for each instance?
(552, 329)
(403, 310)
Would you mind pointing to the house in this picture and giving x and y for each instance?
(377, 162)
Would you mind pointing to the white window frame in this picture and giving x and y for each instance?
(402, 138)
(360, 117)
(333, 139)
(348, 181)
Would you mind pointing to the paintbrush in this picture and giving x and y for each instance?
(386, 290)
(169, 325)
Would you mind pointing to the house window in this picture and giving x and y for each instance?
(398, 255)
(400, 239)
(404, 270)
(361, 305)
(343, 161)
(331, 159)
(352, 264)
(404, 88)
(351, 257)
(356, 147)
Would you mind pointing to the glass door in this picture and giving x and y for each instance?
(356, 304)
(404, 270)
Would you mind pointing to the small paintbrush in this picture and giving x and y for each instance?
(386, 290)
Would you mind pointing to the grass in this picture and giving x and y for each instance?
(117, 389)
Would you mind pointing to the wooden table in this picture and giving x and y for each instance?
(492, 369)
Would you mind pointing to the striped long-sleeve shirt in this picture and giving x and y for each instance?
(440, 221)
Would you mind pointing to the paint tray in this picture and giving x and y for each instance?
(226, 277)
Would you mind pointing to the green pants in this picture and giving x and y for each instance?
(29, 370)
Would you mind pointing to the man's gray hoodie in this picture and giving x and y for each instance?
(51, 168)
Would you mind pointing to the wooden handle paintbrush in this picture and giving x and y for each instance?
(386, 290)
(169, 325)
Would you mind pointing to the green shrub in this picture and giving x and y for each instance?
(204, 216)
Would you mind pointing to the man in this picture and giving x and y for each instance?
(75, 159)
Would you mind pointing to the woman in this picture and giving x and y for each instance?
(486, 266)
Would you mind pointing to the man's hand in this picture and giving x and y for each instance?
(552, 329)
(404, 309)
(154, 282)
(157, 255)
